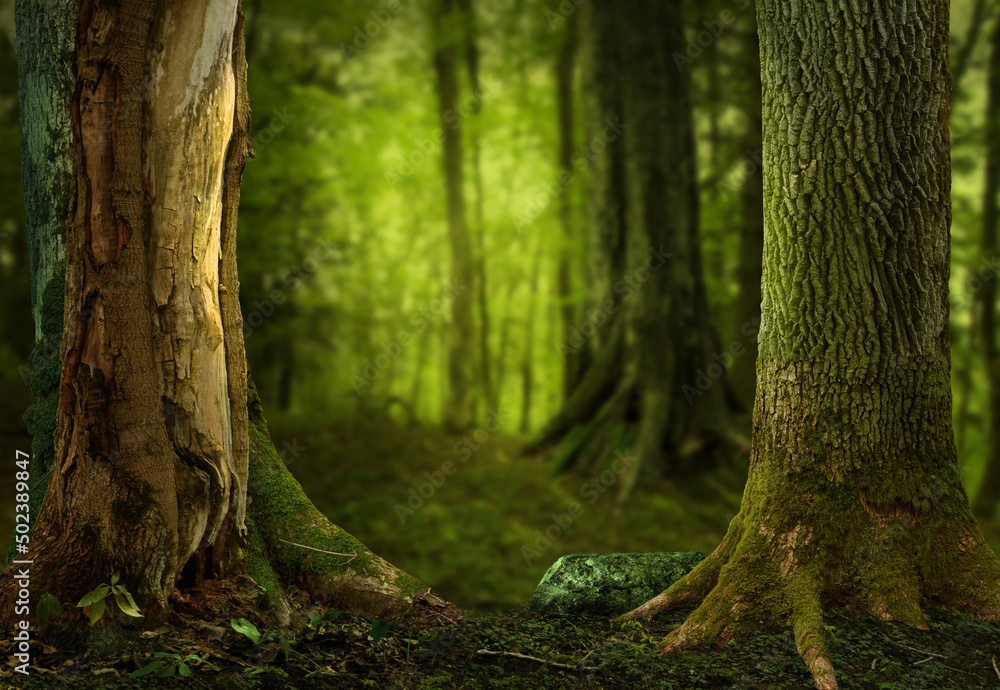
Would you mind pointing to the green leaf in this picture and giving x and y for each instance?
(379, 629)
(166, 672)
(184, 669)
(126, 609)
(48, 605)
(334, 615)
(96, 611)
(98, 593)
(207, 663)
(130, 599)
(284, 645)
(315, 620)
(245, 627)
(114, 578)
(167, 655)
(148, 668)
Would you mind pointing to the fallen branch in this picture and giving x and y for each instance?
(487, 652)
(997, 670)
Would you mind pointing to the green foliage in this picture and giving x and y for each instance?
(379, 629)
(247, 629)
(48, 606)
(169, 664)
(250, 631)
(97, 600)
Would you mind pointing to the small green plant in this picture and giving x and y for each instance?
(637, 633)
(96, 600)
(167, 664)
(379, 629)
(250, 631)
(48, 606)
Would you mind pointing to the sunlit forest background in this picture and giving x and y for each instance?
(347, 280)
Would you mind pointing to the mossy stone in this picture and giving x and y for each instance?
(608, 584)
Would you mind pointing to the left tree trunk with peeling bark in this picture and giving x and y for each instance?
(854, 497)
(135, 119)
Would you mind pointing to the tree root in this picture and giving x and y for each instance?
(765, 576)
(293, 545)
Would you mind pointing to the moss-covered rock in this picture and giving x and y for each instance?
(595, 584)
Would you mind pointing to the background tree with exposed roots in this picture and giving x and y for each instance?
(854, 495)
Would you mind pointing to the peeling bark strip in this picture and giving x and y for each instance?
(188, 122)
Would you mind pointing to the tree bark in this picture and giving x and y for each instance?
(989, 491)
(854, 496)
(457, 412)
(651, 333)
(134, 262)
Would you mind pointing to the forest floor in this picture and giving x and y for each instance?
(466, 540)
(490, 648)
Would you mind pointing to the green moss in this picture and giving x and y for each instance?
(258, 565)
(277, 500)
(408, 585)
(43, 373)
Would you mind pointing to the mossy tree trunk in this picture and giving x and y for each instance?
(147, 460)
(854, 495)
(648, 324)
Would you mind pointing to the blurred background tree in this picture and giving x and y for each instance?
(351, 298)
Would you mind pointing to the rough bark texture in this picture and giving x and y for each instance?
(457, 412)
(854, 496)
(640, 389)
(150, 434)
(989, 491)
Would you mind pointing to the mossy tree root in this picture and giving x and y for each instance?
(766, 575)
(293, 545)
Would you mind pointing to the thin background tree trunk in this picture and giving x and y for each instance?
(989, 491)
(460, 331)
